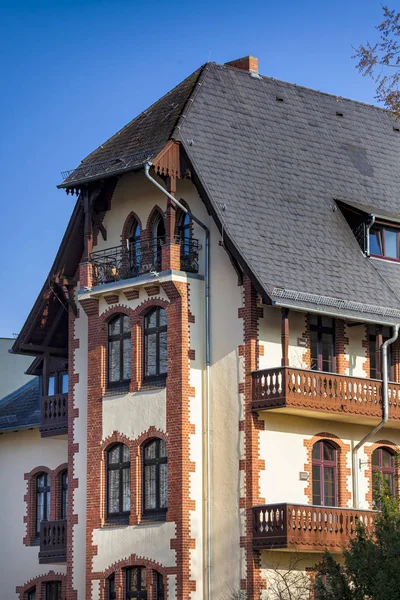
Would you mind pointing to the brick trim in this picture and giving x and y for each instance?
(38, 583)
(341, 341)
(344, 494)
(369, 450)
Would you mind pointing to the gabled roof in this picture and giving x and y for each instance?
(21, 408)
(139, 141)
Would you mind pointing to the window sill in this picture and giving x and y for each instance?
(155, 518)
(150, 383)
(117, 522)
(117, 390)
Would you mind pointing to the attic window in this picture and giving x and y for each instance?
(339, 114)
(279, 99)
(396, 129)
(384, 241)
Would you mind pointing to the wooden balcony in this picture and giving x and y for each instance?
(306, 528)
(53, 541)
(54, 415)
(297, 390)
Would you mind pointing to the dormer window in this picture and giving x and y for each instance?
(384, 241)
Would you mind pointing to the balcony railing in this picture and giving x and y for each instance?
(307, 528)
(138, 258)
(54, 415)
(53, 541)
(285, 387)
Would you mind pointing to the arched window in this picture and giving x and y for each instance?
(135, 583)
(324, 474)
(383, 462)
(42, 499)
(64, 495)
(155, 344)
(159, 582)
(111, 591)
(53, 590)
(118, 483)
(158, 234)
(119, 351)
(31, 595)
(155, 484)
(135, 255)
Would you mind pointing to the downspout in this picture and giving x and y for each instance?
(385, 413)
(147, 166)
(367, 230)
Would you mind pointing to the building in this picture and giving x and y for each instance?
(220, 301)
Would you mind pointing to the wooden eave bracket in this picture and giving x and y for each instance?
(167, 162)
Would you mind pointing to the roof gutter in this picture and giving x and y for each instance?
(147, 166)
(385, 414)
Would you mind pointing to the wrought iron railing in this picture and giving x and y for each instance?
(307, 527)
(54, 415)
(53, 541)
(137, 258)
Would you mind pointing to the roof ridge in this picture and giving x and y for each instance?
(146, 110)
(204, 69)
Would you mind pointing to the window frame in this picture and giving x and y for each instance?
(142, 592)
(321, 329)
(383, 470)
(134, 245)
(380, 228)
(58, 382)
(58, 591)
(158, 329)
(373, 351)
(111, 594)
(122, 516)
(159, 586)
(46, 491)
(159, 513)
(322, 464)
(63, 482)
(158, 240)
(121, 383)
(31, 594)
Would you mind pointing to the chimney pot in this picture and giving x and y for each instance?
(247, 63)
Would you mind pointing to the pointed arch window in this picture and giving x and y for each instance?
(119, 351)
(135, 254)
(64, 495)
(155, 344)
(324, 474)
(42, 500)
(155, 478)
(383, 461)
(158, 235)
(118, 483)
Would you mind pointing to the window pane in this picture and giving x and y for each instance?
(316, 451)
(313, 320)
(47, 507)
(329, 452)
(372, 356)
(375, 242)
(164, 485)
(111, 588)
(327, 322)
(316, 486)
(389, 480)
(163, 317)
(327, 352)
(390, 243)
(150, 450)
(53, 590)
(39, 510)
(387, 458)
(159, 587)
(163, 449)
(127, 353)
(125, 454)
(113, 454)
(163, 352)
(126, 325)
(32, 595)
(64, 383)
(113, 491)
(151, 319)
(126, 490)
(150, 487)
(314, 350)
(115, 326)
(52, 386)
(375, 457)
(133, 579)
(151, 356)
(329, 486)
(113, 361)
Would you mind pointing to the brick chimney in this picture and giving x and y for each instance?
(247, 63)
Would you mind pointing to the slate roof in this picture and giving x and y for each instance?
(141, 140)
(273, 158)
(21, 408)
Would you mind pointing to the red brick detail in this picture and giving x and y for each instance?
(250, 312)
(73, 449)
(261, 349)
(39, 583)
(369, 450)
(171, 257)
(191, 318)
(247, 63)
(241, 350)
(396, 360)
(126, 228)
(192, 354)
(241, 425)
(133, 561)
(85, 274)
(111, 298)
(90, 306)
(131, 294)
(153, 290)
(307, 351)
(344, 493)
(341, 341)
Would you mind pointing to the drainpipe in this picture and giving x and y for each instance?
(385, 413)
(367, 248)
(147, 166)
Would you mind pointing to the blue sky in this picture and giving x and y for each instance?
(73, 72)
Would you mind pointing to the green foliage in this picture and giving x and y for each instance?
(371, 568)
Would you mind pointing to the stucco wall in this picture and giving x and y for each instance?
(269, 328)
(21, 452)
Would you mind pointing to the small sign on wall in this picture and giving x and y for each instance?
(302, 342)
(303, 475)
